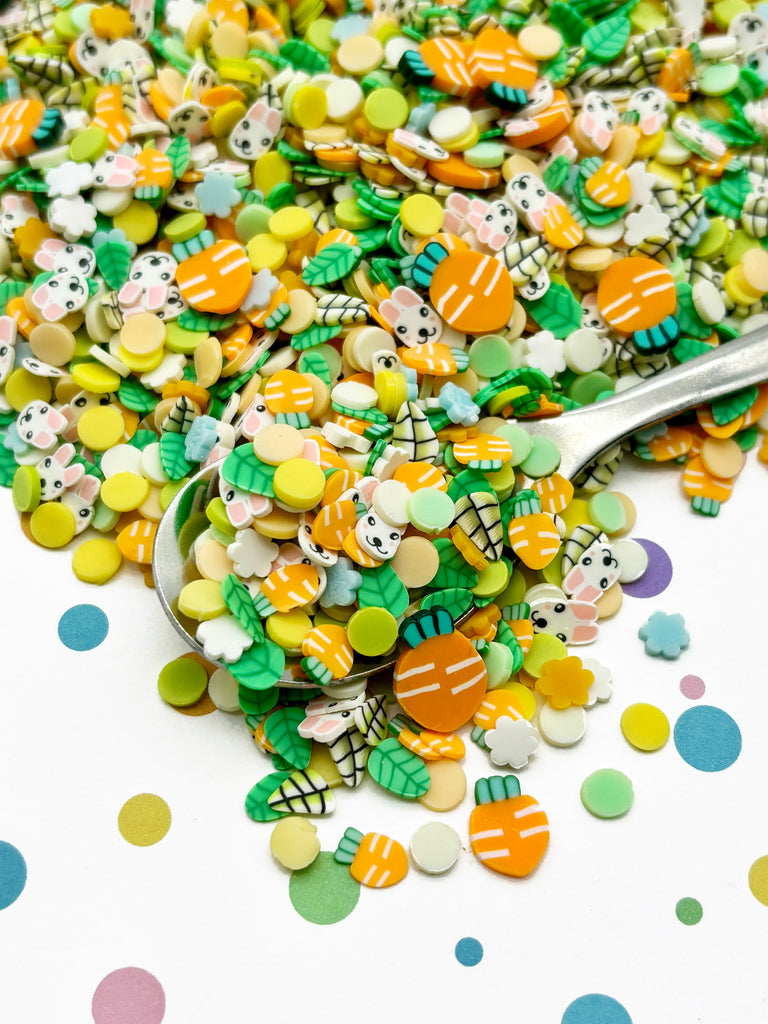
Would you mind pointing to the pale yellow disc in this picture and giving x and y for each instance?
(299, 484)
(278, 442)
(52, 343)
(722, 456)
(208, 361)
(229, 42)
(416, 562)
(142, 334)
(201, 600)
(539, 41)
(212, 561)
(294, 843)
(448, 785)
(302, 305)
(609, 601)
(359, 55)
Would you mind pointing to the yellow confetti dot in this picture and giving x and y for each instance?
(758, 880)
(421, 215)
(144, 819)
(645, 726)
(288, 629)
(125, 491)
(294, 843)
(138, 221)
(96, 378)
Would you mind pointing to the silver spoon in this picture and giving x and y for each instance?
(580, 435)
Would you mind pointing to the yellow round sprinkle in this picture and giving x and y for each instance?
(645, 726)
(309, 107)
(540, 42)
(288, 629)
(386, 109)
(294, 843)
(138, 221)
(96, 561)
(266, 252)
(123, 492)
(96, 378)
(23, 387)
(269, 170)
(201, 600)
(52, 524)
(101, 428)
(182, 228)
(142, 334)
(421, 215)
(144, 819)
(525, 698)
(544, 647)
(372, 631)
(140, 364)
(290, 223)
(226, 117)
(299, 484)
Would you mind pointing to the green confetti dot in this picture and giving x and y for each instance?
(324, 892)
(607, 793)
(688, 910)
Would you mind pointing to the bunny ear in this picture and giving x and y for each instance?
(405, 297)
(89, 488)
(258, 111)
(8, 330)
(389, 311)
(583, 610)
(273, 120)
(72, 474)
(476, 211)
(63, 454)
(583, 634)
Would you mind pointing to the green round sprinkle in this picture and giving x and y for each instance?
(688, 910)
(319, 35)
(543, 458)
(718, 79)
(607, 512)
(349, 215)
(520, 440)
(485, 154)
(499, 663)
(492, 579)
(26, 489)
(104, 519)
(252, 220)
(182, 682)
(182, 228)
(324, 892)
(607, 793)
(88, 145)
(430, 510)
(490, 356)
(386, 109)
(585, 390)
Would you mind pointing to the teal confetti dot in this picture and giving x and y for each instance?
(13, 874)
(83, 627)
(595, 1008)
(688, 910)
(469, 952)
(707, 738)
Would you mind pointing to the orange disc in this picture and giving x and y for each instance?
(635, 294)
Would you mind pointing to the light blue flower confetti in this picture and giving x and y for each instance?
(664, 636)
(217, 194)
(117, 236)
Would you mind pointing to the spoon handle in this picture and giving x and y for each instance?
(584, 433)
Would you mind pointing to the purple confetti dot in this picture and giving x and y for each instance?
(656, 577)
(692, 687)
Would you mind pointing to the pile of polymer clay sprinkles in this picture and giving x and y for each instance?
(344, 252)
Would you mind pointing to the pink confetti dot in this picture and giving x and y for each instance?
(128, 995)
(692, 687)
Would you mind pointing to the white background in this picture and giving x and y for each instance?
(207, 911)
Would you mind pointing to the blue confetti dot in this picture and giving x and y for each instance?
(13, 874)
(707, 738)
(595, 1009)
(83, 627)
(469, 952)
